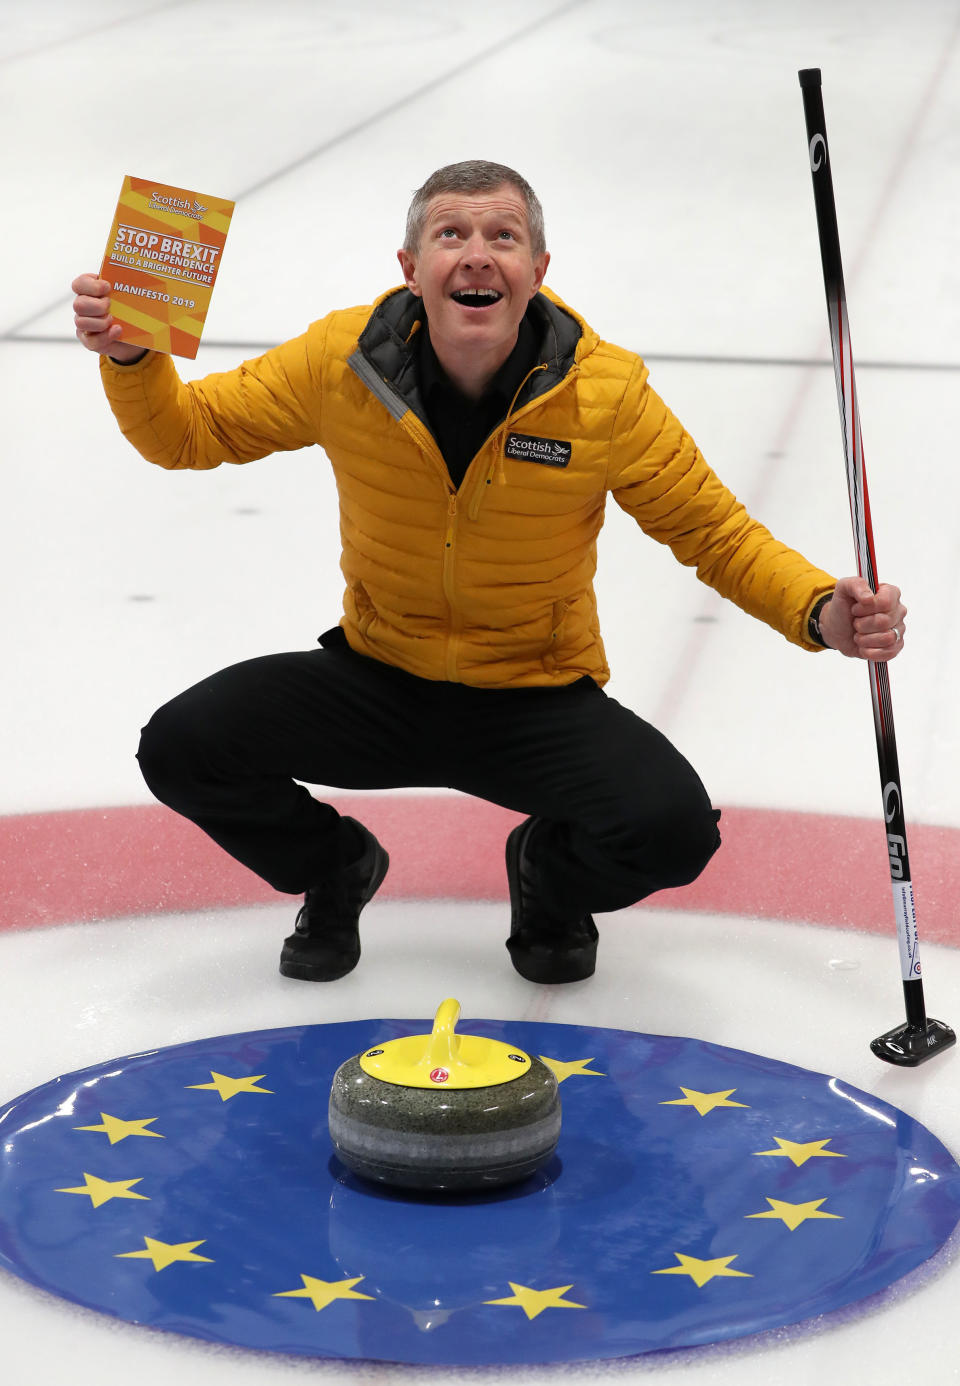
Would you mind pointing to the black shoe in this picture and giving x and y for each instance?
(325, 943)
(543, 948)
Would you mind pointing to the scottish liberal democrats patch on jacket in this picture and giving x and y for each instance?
(551, 452)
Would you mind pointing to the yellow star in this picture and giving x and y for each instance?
(576, 1068)
(324, 1292)
(229, 1087)
(702, 1271)
(533, 1302)
(799, 1152)
(102, 1190)
(118, 1130)
(703, 1101)
(164, 1254)
(793, 1214)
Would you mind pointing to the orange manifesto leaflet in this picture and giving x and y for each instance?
(161, 261)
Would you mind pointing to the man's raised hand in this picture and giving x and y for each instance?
(95, 327)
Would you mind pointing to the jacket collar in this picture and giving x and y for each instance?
(386, 357)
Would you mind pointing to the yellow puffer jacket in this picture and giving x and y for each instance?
(491, 584)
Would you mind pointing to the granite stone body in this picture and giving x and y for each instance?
(435, 1138)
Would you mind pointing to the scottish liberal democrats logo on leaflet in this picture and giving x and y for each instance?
(550, 452)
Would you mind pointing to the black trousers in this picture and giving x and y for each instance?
(623, 813)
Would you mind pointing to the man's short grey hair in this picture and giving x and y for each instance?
(473, 176)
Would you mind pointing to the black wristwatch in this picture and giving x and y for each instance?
(813, 622)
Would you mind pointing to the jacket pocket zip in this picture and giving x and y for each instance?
(365, 608)
(557, 618)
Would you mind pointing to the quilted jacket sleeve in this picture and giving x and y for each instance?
(270, 404)
(659, 476)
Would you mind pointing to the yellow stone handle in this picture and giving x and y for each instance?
(443, 1049)
(444, 1059)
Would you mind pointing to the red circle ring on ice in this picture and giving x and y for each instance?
(142, 860)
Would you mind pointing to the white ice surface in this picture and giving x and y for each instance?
(666, 140)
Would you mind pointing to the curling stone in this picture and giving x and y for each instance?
(444, 1111)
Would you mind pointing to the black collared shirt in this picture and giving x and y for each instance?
(461, 425)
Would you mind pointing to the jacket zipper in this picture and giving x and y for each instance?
(428, 443)
(449, 588)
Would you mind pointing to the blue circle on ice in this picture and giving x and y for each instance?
(698, 1194)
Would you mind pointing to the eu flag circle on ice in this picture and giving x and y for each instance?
(698, 1193)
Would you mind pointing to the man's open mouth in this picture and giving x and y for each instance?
(476, 298)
